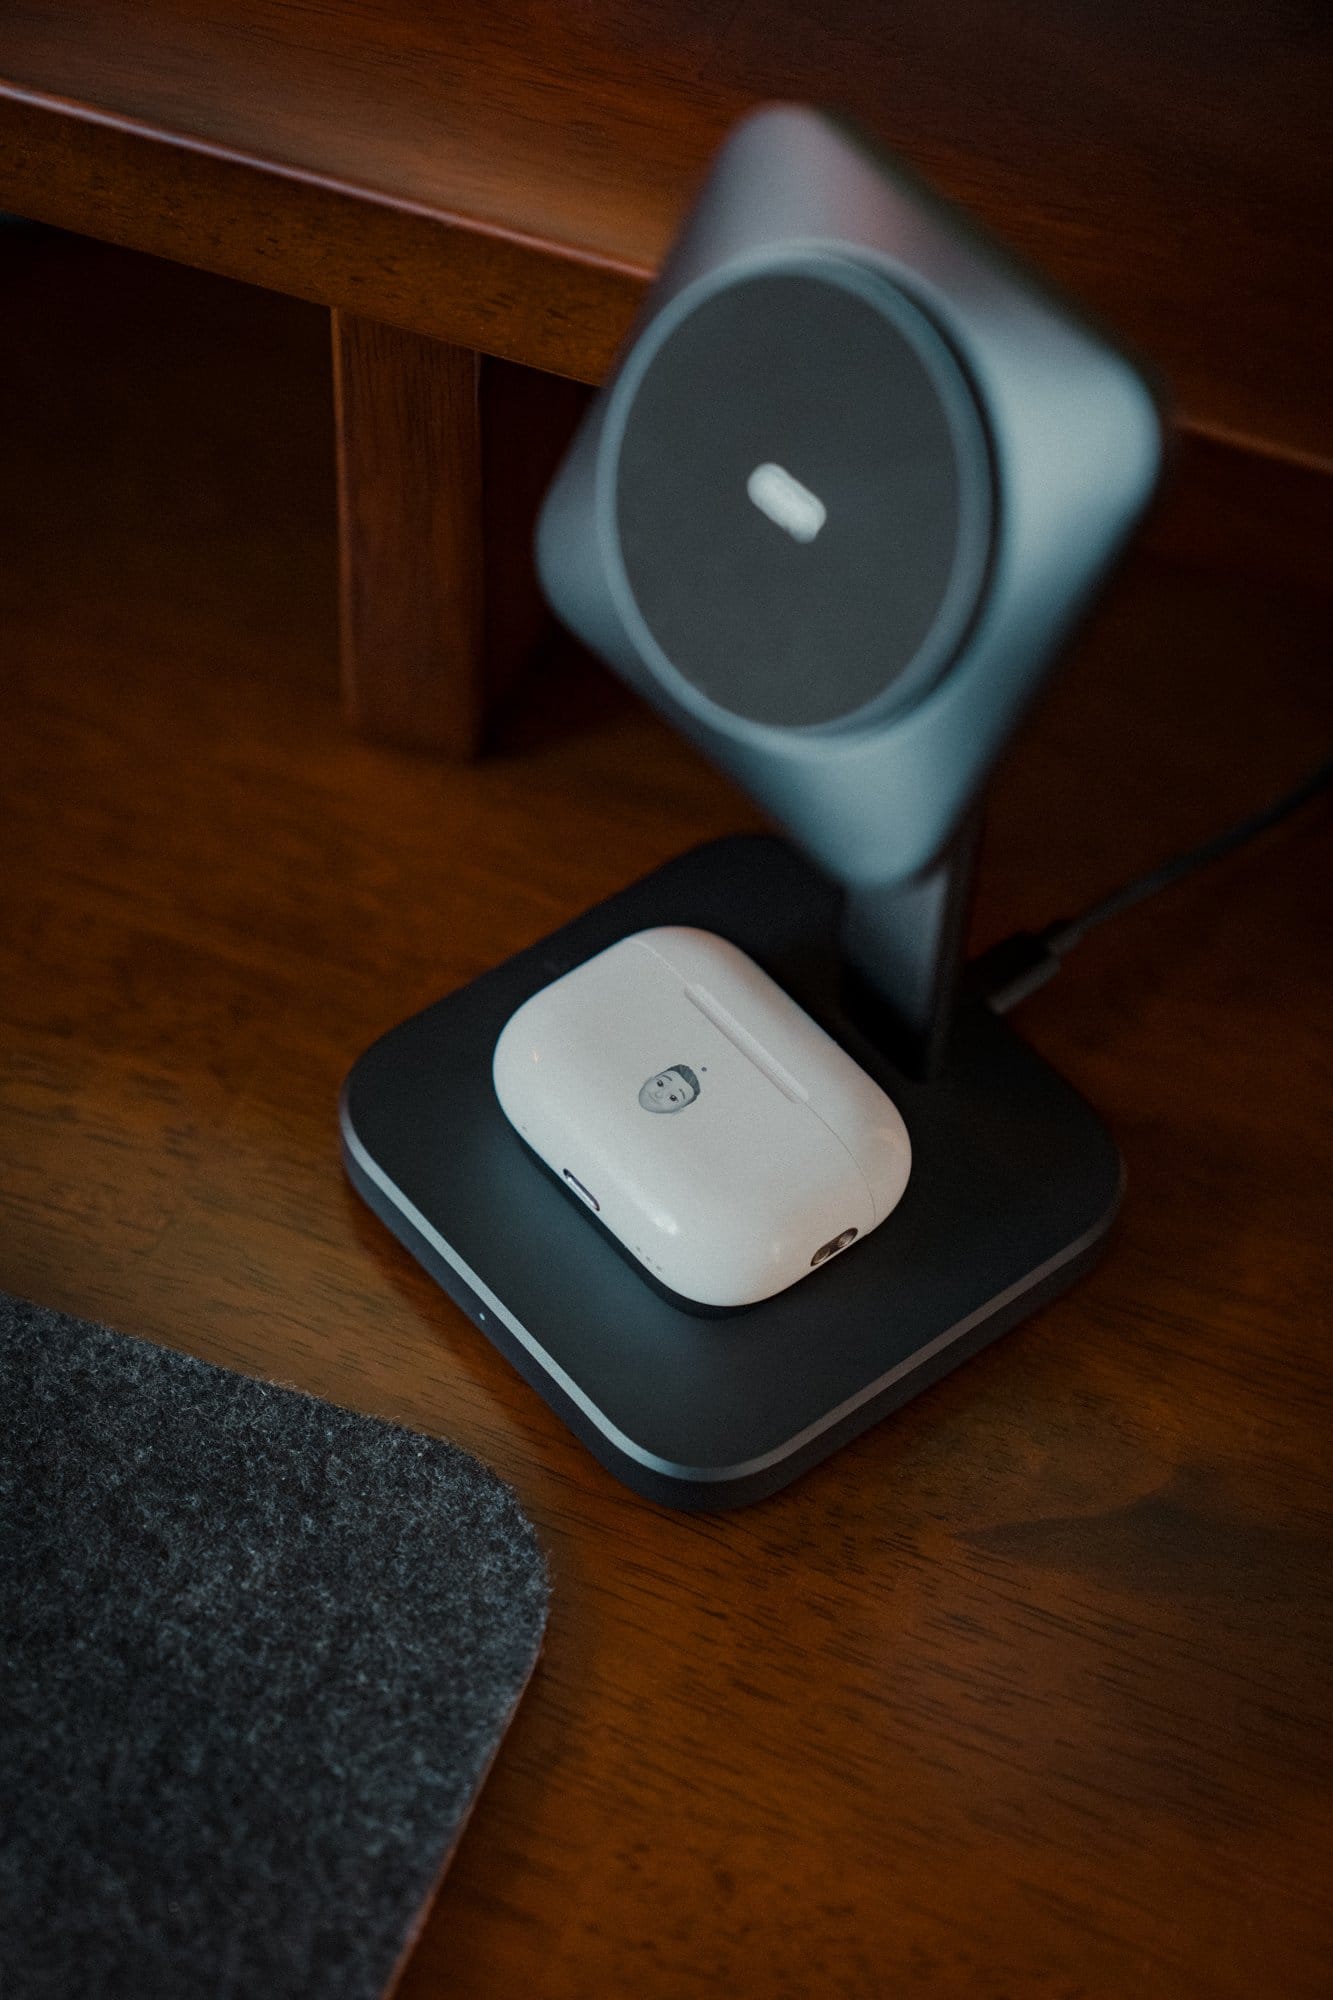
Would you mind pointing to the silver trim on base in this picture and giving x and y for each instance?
(665, 1468)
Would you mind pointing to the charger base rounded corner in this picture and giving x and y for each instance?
(1014, 1184)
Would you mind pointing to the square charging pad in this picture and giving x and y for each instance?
(1014, 1183)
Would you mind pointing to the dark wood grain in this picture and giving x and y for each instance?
(443, 456)
(527, 422)
(1222, 508)
(506, 174)
(1025, 1692)
(407, 417)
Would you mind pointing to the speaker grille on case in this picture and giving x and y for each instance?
(803, 496)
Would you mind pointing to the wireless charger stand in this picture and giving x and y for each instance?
(1014, 1184)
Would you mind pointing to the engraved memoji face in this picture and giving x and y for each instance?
(670, 1090)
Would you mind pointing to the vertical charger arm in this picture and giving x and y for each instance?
(902, 945)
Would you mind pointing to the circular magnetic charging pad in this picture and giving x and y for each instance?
(803, 495)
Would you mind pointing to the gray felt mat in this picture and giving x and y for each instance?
(256, 1655)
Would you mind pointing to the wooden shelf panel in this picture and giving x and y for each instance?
(506, 174)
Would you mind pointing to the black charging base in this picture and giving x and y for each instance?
(1014, 1184)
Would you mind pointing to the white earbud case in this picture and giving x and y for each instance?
(722, 1137)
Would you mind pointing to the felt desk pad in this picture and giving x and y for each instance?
(256, 1656)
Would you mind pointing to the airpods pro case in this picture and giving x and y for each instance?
(728, 1144)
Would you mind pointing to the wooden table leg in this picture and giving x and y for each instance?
(407, 416)
(442, 458)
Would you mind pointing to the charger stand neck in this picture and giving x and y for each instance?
(902, 946)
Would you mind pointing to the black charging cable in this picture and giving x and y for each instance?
(1018, 965)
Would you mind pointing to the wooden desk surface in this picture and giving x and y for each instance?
(506, 174)
(1027, 1692)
